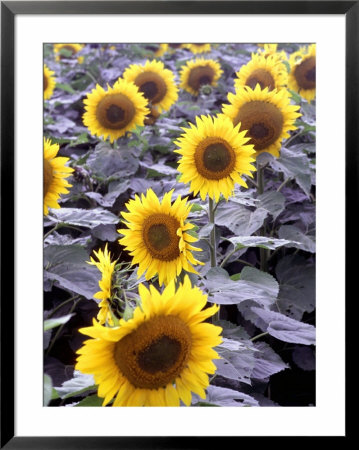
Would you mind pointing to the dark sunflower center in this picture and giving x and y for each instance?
(48, 176)
(258, 131)
(152, 85)
(305, 73)
(159, 233)
(264, 122)
(69, 48)
(115, 111)
(174, 45)
(160, 355)
(261, 77)
(149, 89)
(214, 158)
(200, 76)
(155, 353)
(152, 48)
(45, 82)
(159, 236)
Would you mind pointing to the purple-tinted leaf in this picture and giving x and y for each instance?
(267, 362)
(285, 328)
(304, 358)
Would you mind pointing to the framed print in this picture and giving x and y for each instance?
(178, 242)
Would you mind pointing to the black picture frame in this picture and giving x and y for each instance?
(9, 10)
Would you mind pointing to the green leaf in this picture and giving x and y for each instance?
(254, 285)
(257, 241)
(65, 87)
(296, 97)
(297, 238)
(108, 162)
(91, 400)
(76, 386)
(89, 218)
(47, 389)
(206, 230)
(67, 265)
(56, 322)
(239, 219)
(273, 202)
(196, 207)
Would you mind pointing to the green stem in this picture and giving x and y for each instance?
(283, 184)
(239, 260)
(211, 214)
(213, 232)
(259, 336)
(61, 305)
(61, 328)
(56, 227)
(260, 190)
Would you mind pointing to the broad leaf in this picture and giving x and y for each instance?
(297, 238)
(76, 386)
(228, 397)
(286, 329)
(56, 322)
(88, 218)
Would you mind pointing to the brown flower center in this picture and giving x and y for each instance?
(155, 353)
(305, 73)
(261, 77)
(200, 76)
(115, 111)
(160, 236)
(48, 176)
(214, 158)
(152, 85)
(174, 45)
(45, 82)
(264, 122)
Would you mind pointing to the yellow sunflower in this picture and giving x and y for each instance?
(155, 82)
(267, 72)
(160, 356)
(199, 72)
(55, 172)
(106, 267)
(271, 50)
(267, 115)
(71, 48)
(214, 156)
(157, 236)
(113, 112)
(302, 72)
(49, 82)
(198, 48)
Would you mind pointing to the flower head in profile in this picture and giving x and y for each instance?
(49, 82)
(214, 156)
(55, 172)
(159, 356)
(106, 267)
(157, 236)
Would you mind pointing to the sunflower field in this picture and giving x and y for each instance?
(179, 224)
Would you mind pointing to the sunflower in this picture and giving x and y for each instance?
(214, 156)
(55, 173)
(49, 82)
(71, 48)
(302, 72)
(113, 112)
(271, 50)
(155, 82)
(106, 267)
(199, 72)
(267, 115)
(160, 356)
(267, 72)
(172, 47)
(198, 48)
(157, 236)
